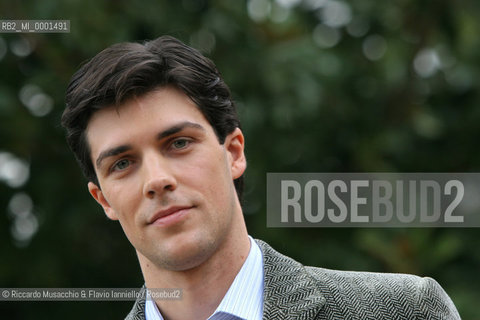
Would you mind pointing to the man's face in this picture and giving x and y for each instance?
(163, 174)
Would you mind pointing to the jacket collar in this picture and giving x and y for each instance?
(290, 291)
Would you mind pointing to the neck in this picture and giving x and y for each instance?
(203, 286)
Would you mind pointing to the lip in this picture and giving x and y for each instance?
(169, 216)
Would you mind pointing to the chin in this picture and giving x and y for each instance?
(184, 255)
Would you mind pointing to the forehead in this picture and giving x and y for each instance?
(142, 116)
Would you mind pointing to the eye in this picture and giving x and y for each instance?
(121, 165)
(180, 143)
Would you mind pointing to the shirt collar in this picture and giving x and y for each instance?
(244, 298)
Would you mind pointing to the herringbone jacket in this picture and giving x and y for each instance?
(294, 291)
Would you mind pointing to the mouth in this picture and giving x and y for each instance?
(169, 216)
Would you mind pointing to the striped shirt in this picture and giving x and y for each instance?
(244, 298)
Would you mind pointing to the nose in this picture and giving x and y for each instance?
(159, 177)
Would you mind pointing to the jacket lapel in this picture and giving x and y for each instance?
(290, 292)
(138, 310)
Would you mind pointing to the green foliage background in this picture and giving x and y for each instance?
(393, 87)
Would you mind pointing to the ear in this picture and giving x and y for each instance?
(234, 145)
(97, 194)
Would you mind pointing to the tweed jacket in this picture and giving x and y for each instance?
(294, 291)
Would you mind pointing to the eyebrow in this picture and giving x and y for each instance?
(163, 134)
(179, 127)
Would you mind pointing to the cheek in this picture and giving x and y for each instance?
(122, 197)
(216, 180)
(211, 171)
(126, 203)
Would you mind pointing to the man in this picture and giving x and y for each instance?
(156, 133)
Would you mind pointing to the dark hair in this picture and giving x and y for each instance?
(127, 70)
